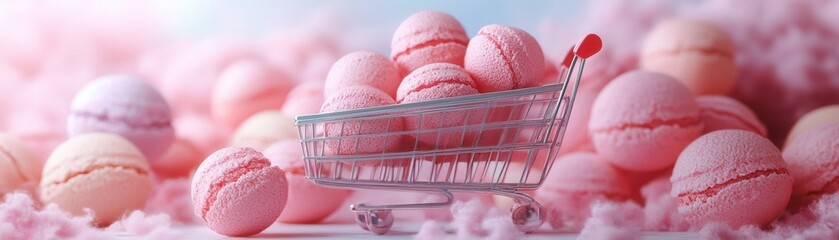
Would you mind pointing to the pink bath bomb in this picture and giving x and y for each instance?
(179, 160)
(642, 120)
(353, 132)
(237, 192)
(362, 68)
(428, 37)
(575, 182)
(813, 160)
(307, 202)
(304, 99)
(502, 58)
(245, 88)
(98, 171)
(697, 53)
(263, 129)
(436, 81)
(734, 177)
(721, 112)
(127, 106)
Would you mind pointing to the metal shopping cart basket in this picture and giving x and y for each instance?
(521, 127)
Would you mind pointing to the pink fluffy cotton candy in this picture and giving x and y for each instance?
(502, 58)
(813, 160)
(575, 182)
(611, 220)
(127, 106)
(428, 37)
(307, 202)
(359, 97)
(735, 177)
(642, 120)
(721, 112)
(247, 87)
(21, 217)
(437, 81)
(362, 68)
(237, 192)
(473, 220)
(157, 226)
(304, 99)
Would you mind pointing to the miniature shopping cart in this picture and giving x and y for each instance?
(509, 149)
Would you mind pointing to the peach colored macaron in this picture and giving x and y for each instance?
(19, 168)
(98, 171)
(695, 52)
(263, 129)
(817, 118)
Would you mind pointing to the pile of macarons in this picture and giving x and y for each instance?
(671, 119)
(431, 58)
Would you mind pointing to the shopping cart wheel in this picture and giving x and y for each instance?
(377, 221)
(528, 216)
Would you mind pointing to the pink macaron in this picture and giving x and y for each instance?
(642, 120)
(354, 133)
(503, 58)
(436, 81)
(237, 192)
(179, 160)
(304, 99)
(362, 68)
(19, 168)
(98, 171)
(576, 181)
(721, 112)
(813, 160)
(697, 53)
(307, 202)
(736, 177)
(247, 87)
(428, 37)
(127, 106)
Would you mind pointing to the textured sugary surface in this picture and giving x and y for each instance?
(428, 37)
(362, 68)
(721, 112)
(361, 97)
(731, 176)
(642, 120)
(813, 160)
(237, 192)
(503, 58)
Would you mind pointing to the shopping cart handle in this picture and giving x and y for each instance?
(588, 46)
(568, 58)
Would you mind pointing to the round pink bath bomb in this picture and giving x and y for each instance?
(307, 202)
(436, 81)
(127, 106)
(503, 58)
(98, 171)
(263, 129)
(19, 168)
(642, 120)
(428, 37)
(237, 192)
(823, 116)
(813, 160)
(578, 180)
(247, 87)
(697, 53)
(362, 68)
(358, 97)
(305, 99)
(721, 112)
(731, 176)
